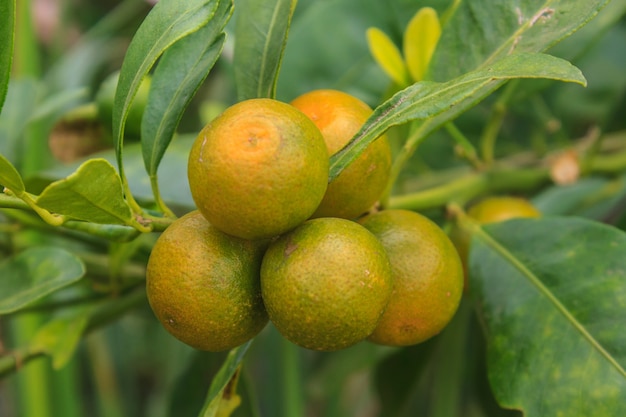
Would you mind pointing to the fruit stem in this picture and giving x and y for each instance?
(158, 199)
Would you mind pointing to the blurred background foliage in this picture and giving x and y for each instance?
(66, 49)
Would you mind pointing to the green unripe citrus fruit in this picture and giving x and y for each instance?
(427, 277)
(203, 285)
(326, 283)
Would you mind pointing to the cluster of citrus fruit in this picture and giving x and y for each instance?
(272, 240)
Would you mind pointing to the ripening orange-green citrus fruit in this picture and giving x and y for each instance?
(326, 283)
(204, 285)
(427, 277)
(339, 116)
(259, 169)
(497, 209)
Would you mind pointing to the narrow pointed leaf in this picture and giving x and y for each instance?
(387, 56)
(221, 380)
(420, 40)
(473, 38)
(7, 25)
(168, 22)
(35, 273)
(261, 30)
(426, 99)
(92, 193)
(552, 296)
(10, 178)
(180, 72)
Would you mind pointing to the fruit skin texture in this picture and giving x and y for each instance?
(326, 284)
(339, 116)
(427, 277)
(498, 209)
(259, 169)
(203, 285)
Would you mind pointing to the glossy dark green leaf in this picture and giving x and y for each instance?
(7, 25)
(92, 193)
(481, 33)
(444, 101)
(180, 72)
(35, 273)
(260, 37)
(168, 22)
(228, 370)
(552, 296)
(9, 177)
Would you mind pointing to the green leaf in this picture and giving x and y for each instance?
(420, 40)
(552, 295)
(60, 337)
(175, 186)
(21, 99)
(10, 178)
(426, 99)
(35, 273)
(179, 74)
(168, 22)
(480, 34)
(595, 198)
(261, 29)
(189, 388)
(387, 55)
(7, 25)
(92, 193)
(327, 49)
(224, 376)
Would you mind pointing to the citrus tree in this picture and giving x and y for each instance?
(501, 168)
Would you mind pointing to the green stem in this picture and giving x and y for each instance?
(158, 199)
(108, 311)
(34, 394)
(466, 188)
(415, 138)
(596, 139)
(66, 383)
(505, 177)
(26, 59)
(13, 361)
(105, 378)
(293, 402)
(493, 126)
(468, 151)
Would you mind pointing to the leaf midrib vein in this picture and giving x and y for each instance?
(498, 247)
